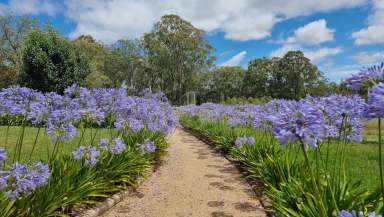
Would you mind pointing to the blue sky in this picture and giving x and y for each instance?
(340, 36)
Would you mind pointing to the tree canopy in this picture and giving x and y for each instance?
(50, 62)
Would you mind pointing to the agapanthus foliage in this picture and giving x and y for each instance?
(22, 179)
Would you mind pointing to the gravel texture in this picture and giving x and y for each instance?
(193, 181)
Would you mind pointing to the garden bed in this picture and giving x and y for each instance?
(64, 154)
(305, 169)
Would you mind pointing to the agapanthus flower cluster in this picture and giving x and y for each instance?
(60, 125)
(103, 144)
(353, 213)
(343, 115)
(147, 147)
(366, 77)
(22, 102)
(87, 153)
(299, 123)
(61, 113)
(135, 114)
(237, 115)
(117, 147)
(244, 140)
(310, 120)
(22, 179)
(375, 108)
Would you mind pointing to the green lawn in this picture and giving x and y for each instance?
(361, 162)
(44, 145)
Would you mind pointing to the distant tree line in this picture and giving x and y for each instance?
(175, 57)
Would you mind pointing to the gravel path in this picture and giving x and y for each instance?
(193, 181)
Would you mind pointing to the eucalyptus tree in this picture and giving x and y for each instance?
(13, 31)
(176, 52)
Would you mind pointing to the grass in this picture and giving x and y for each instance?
(361, 163)
(44, 145)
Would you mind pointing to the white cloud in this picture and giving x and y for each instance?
(374, 32)
(235, 60)
(306, 37)
(284, 49)
(33, 7)
(369, 57)
(313, 33)
(319, 54)
(239, 20)
(369, 35)
(313, 54)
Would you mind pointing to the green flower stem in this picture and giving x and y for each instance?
(380, 160)
(35, 142)
(82, 136)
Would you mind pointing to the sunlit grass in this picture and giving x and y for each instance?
(44, 145)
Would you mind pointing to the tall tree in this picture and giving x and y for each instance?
(13, 31)
(293, 76)
(96, 53)
(176, 52)
(51, 62)
(257, 77)
(221, 84)
(124, 63)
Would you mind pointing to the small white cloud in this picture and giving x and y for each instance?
(306, 37)
(314, 55)
(313, 33)
(284, 49)
(235, 60)
(369, 57)
(374, 32)
(369, 35)
(319, 54)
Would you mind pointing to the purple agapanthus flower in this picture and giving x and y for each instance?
(375, 107)
(244, 140)
(299, 122)
(103, 144)
(22, 179)
(147, 147)
(353, 213)
(3, 157)
(89, 154)
(372, 75)
(60, 125)
(117, 147)
(342, 114)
